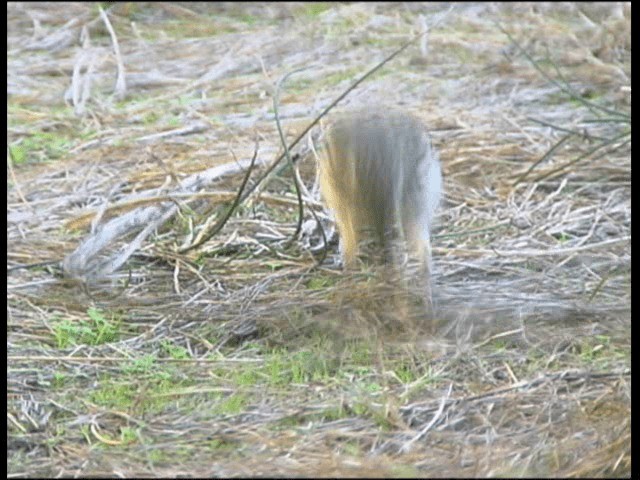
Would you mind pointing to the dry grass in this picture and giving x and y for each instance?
(242, 358)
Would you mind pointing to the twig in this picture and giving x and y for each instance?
(574, 96)
(276, 101)
(221, 223)
(443, 401)
(546, 156)
(583, 134)
(586, 154)
(10, 161)
(120, 89)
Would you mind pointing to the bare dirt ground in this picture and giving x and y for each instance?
(242, 357)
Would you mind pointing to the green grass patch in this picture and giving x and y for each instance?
(562, 237)
(300, 85)
(601, 353)
(406, 374)
(99, 327)
(128, 435)
(59, 380)
(314, 9)
(142, 365)
(246, 18)
(320, 282)
(219, 444)
(338, 77)
(359, 355)
(247, 378)
(39, 147)
(352, 448)
(138, 392)
(174, 351)
(178, 29)
(232, 404)
(405, 471)
(150, 118)
(112, 395)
